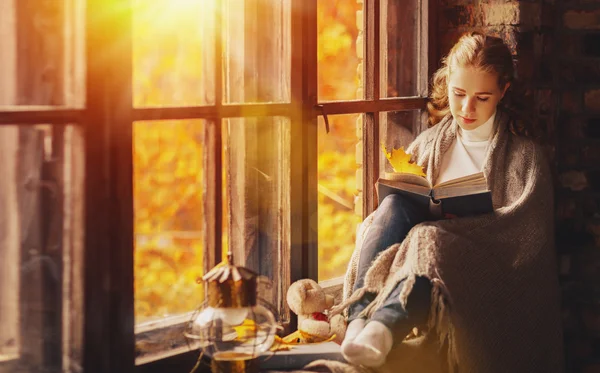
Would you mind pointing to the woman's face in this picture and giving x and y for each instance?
(473, 95)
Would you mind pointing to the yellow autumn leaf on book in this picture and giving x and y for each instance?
(401, 162)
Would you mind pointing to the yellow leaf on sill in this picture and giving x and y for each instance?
(301, 337)
(401, 162)
(246, 330)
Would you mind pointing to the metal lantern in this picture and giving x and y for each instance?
(231, 328)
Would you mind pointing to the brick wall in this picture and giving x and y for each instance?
(557, 47)
(577, 79)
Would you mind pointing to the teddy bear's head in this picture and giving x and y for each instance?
(306, 297)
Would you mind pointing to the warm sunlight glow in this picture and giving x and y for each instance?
(167, 14)
(208, 7)
(183, 4)
(173, 52)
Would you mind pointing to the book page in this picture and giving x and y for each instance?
(406, 179)
(469, 179)
(470, 184)
(461, 190)
(418, 189)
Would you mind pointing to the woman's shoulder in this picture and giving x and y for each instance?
(428, 135)
(431, 132)
(526, 143)
(527, 149)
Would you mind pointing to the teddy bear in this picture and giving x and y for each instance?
(307, 299)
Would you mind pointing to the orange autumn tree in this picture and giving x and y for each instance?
(337, 80)
(168, 155)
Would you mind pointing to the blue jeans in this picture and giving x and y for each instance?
(391, 222)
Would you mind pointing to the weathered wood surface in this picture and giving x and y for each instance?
(9, 244)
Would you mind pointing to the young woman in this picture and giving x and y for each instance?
(484, 286)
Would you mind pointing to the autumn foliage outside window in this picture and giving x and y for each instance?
(261, 100)
(172, 68)
(338, 65)
(168, 173)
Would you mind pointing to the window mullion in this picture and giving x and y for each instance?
(429, 36)
(30, 115)
(310, 263)
(218, 138)
(375, 49)
(303, 163)
(213, 162)
(218, 73)
(298, 263)
(109, 330)
(370, 161)
(225, 111)
(372, 91)
(372, 56)
(213, 194)
(366, 106)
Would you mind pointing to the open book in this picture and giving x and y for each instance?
(468, 195)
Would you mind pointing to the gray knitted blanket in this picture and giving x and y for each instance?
(495, 301)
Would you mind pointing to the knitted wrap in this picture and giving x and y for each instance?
(495, 299)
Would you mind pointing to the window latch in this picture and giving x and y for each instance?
(321, 108)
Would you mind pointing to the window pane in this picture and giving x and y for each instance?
(337, 168)
(173, 52)
(340, 49)
(170, 177)
(258, 159)
(168, 217)
(396, 129)
(41, 249)
(42, 53)
(257, 45)
(403, 72)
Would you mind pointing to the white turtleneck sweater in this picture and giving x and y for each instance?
(467, 152)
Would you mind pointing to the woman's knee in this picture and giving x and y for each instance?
(393, 202)
(401, 207)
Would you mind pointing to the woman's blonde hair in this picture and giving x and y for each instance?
(487, 53)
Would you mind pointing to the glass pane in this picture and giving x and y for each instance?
(41, 249)
(173, 52)
(169, 193)
(403, 73)
(256, 45)
(340, 50)
(396, 129)
(337, 188)
(168, 217)
(258, 159)
(42, 53)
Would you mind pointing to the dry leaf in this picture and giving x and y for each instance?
(247, 329)
(401, 162)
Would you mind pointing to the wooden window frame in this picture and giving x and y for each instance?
(107, 121)
(47, 184)
(374, 104)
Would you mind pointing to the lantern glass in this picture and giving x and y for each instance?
(234, 333)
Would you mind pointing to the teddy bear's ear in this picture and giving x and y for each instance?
(298, 292)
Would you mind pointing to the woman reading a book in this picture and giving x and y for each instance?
(484, 286)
